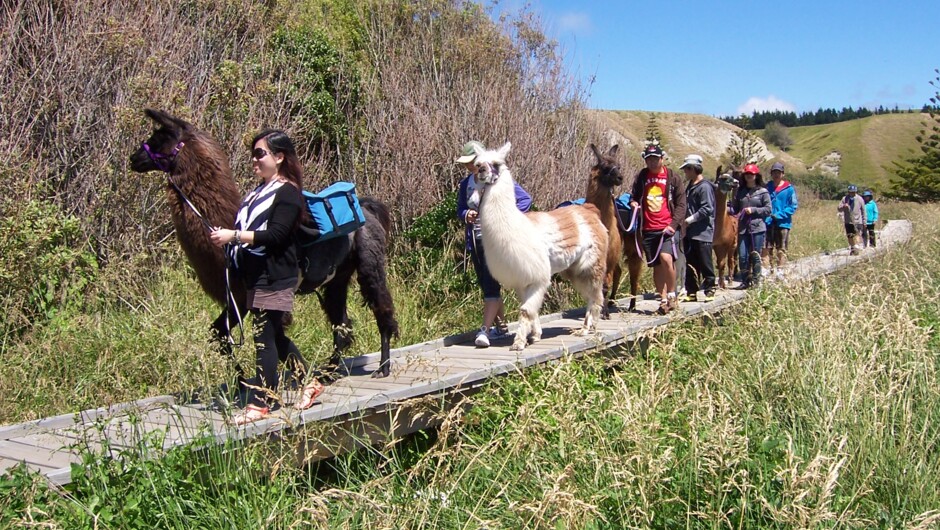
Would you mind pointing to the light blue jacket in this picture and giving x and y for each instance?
(783, 204)
(871, 212)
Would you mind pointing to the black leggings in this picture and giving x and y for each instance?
(271, 346)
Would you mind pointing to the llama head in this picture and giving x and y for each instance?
(488, 163)
(159, 152)
(727, 182)
(606, 171)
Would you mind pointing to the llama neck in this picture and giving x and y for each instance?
(498, 209)
(721, 205)
(602, 197)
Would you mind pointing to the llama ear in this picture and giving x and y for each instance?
(613, 150)
(718, 172)
(504, 150)
(597, 154)
(166, 120)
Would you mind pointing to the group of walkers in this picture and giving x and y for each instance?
(677, 227)
(859, 216)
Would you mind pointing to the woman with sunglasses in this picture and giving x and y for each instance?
(752, 204)
(264, 254)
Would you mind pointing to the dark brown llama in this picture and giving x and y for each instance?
(199, 178)
(725, 243)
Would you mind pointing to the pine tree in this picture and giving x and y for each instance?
(918, 178)
(745, 148)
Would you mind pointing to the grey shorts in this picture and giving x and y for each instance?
(777, 238)
(655, 243)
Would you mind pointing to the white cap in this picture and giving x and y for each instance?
(692, 159)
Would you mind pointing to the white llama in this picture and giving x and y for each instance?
(524, 250)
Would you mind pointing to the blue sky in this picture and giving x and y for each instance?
(725, 58)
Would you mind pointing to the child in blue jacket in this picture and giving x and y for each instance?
(871, 217)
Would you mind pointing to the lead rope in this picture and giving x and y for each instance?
(160, 160)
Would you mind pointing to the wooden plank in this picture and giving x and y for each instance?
(76, 418)
(39, 456)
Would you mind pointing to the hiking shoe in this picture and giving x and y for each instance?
(483, 338)
(690, 298)
(709, 297)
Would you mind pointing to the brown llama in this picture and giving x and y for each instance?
(725, 243)
(199, 179)
(605, 175)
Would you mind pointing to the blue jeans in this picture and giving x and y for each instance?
(748, 243)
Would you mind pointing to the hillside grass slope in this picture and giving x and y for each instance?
(867, 147)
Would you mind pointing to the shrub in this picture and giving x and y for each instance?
(777, 134)
(43, 269)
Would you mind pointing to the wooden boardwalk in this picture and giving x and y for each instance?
(362, 409)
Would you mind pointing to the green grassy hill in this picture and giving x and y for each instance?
(867, 146)
(864, 147)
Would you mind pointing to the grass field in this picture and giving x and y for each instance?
(868, 146)
(810, 406)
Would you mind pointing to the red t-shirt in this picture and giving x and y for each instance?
(656, 214)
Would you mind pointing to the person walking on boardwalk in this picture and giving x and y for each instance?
(659, 194)
(853, 217)
(783, 204)
(469, 195)
(871, 217)
(699, 226)
(265, 255)
(752, 205)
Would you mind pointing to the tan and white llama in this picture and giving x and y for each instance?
(725, 242)
(524, 250)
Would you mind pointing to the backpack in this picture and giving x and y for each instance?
(625, 212)
(334, 211)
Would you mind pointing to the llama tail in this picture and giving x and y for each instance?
(379, 210)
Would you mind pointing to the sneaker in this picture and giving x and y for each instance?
(502, 327)
(709, 297)
(690, 298)
(483, 338)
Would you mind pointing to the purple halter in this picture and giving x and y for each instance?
(161, 160)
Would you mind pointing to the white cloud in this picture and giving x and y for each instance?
(575, 22)
(765, 104)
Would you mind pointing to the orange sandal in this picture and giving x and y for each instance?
(251, 414)
(308, 397)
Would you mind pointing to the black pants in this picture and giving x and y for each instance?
(271, 346)
(699, 265)
(871, 234)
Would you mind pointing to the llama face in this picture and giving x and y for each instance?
(727, 183)
(607, 170)
(159, 151)
(489, 162)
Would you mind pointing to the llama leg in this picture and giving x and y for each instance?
(591, 290)
(334, 304)
(531, 298)
(374, 287)
(635, 266)
(220, 332)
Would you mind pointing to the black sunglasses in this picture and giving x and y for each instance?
(258, 153)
